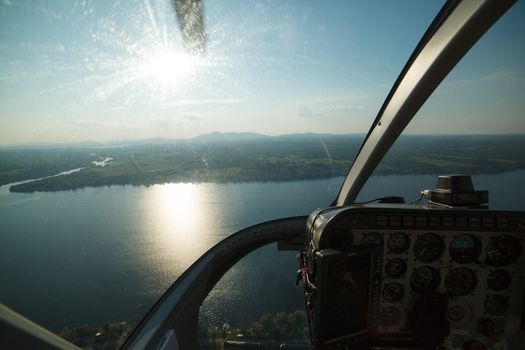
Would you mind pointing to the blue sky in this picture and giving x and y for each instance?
(99, 70)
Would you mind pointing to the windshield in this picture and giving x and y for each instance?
(125, 155)
(472, 124)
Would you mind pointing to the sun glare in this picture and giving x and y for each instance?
(179, 220)
(167, 69)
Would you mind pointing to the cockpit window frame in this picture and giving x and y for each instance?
(457, 27)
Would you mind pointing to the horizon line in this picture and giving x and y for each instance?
(114, 142)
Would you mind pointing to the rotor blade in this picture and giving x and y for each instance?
(190, 15)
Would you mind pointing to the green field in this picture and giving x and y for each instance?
(261, 158)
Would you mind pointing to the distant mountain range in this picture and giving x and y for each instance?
(209, 138)
(218, 137)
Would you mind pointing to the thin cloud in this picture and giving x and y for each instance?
(498, 75)
(330, 107)
(304, 111)
(185, 103)
(326, 111)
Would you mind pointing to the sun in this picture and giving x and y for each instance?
(167, 69)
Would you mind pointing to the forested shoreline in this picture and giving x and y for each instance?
(251, 159)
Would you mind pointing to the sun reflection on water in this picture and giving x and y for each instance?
(180, 226)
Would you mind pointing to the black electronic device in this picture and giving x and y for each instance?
(456, 191)
(344, 295)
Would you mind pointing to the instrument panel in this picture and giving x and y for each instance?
(473, 256)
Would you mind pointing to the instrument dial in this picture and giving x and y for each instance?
(395, 268)
(460, 281)
(425, 279)
(456, 313)
(503, 250)
(459, 313)
(372, 237)
(465, 249)
(393, 292)
(499, 280)
(390, 316)
(429, 247)
(399, 242)
(496, 305)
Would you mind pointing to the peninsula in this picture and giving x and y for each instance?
(247, 158)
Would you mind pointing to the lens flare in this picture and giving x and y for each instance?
(167, 69)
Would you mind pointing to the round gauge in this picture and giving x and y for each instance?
(503, 250)
(429, 247)
(460, 281)
(390, 316)
(459, 313)
(465, 249)
(496, 305)
(499, 280)
(456, 313)
(372, 237)
(425, 279)
(399, 242)
(340, 238)
(393, 292)
(395, 268)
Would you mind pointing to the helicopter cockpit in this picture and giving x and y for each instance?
(444, 271)
(392, 275)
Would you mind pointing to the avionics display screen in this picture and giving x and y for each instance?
(345, 309)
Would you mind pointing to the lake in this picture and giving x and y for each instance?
(106, 254)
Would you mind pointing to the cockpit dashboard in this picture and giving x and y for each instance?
(467, 265)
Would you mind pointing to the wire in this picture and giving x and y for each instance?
(417, 200)
(390, 199)
(370, 201)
